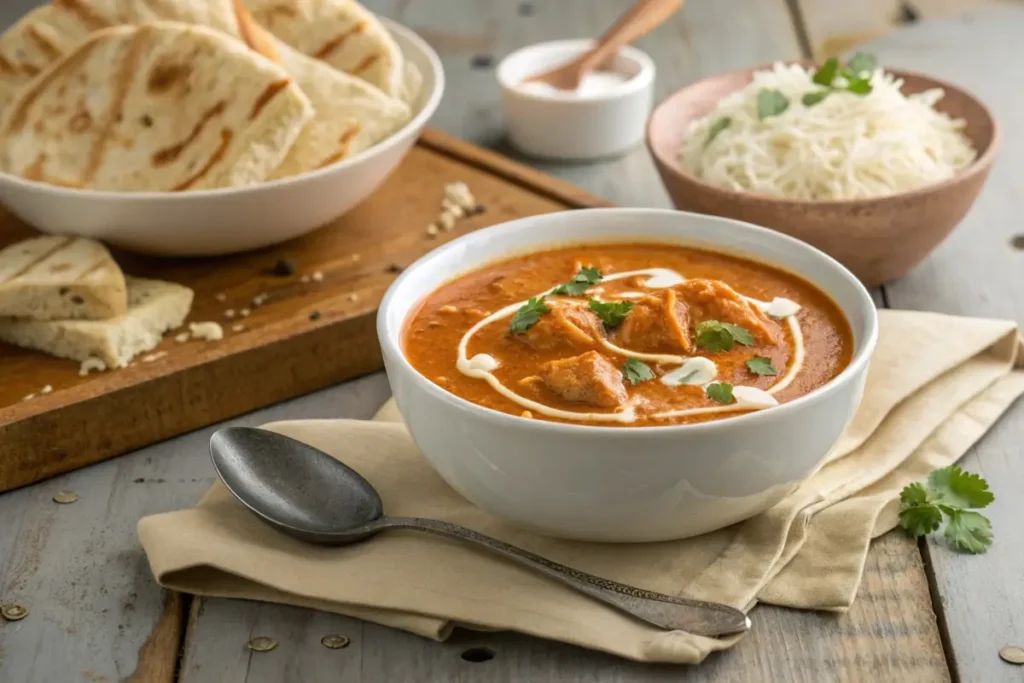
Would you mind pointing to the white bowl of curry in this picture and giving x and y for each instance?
(626, 375)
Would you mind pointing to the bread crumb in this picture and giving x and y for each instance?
(447, 221)
(317, 276)
(90, 364)
(459, 193)
(154, 356)
(244, 312)
(221, 296)
(230, 313)
(237, 327)
(456, 211)
(432, 230)
(353, 298)
(48, 389)
(209, 331)
(182, 338)
(259, 300)
(29, 397)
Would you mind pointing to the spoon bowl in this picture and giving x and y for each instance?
(297, 489)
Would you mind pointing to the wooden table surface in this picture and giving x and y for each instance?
(923, 613)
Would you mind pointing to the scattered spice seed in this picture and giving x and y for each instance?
(261, 644)
(221, 296)
(315, 315)
(65, 498)
(283, 268)
(1012, 655)
(334, 642)
(13, 612)
(318, 276)
(395, 268)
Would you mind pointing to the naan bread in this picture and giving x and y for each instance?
(350, 114)
(340, 32)
(158, 107)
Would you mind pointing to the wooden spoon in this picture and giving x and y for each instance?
(640, 19)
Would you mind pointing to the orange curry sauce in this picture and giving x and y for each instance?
(433, 332)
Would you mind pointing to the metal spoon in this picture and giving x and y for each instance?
(307, 494)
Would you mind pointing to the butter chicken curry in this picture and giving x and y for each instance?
(628, 334)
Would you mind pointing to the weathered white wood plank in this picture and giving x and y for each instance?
(978, 272)
(79, 567)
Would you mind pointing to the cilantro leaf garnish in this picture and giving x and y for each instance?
(759, 365)
(611, 313)
(813, 98)
(636, 371)
(827, 73)
(862, 62)
(951, 492)
(528, 315)
(720, 391)
(771, 103)
(716, 128)
(580, 282)
(718, 336)
(859, 86)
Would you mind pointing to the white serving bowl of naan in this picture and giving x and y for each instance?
(229, 220)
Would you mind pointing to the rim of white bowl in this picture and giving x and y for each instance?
(415, 123)
(643, 78)
(859, 362)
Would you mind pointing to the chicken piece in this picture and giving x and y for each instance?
(658, 323)
(715, 300)
(589, 378)
(565, 328)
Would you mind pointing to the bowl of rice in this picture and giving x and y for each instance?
(873, 166)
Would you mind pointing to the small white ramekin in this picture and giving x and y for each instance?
(567, 126)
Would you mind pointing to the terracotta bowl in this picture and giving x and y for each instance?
(878, 239)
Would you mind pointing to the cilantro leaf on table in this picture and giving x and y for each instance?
(528, 315)
(611, 313)
(951, 492)
(580, 282)
(718, 336)
(636, 371)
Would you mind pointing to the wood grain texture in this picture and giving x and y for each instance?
(836, 27)
(977, 272)
(281, 353)
(96, 613)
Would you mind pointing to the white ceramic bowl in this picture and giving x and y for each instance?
(222, 221)
(613, 483)
(564, 125)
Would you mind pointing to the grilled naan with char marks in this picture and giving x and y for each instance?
(351, 115)
(158, 107)
(340, 32)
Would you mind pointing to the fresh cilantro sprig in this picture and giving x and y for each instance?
(856, 74)
(771, 103)
(580, 282)
(611, 313)
(720, 391)
(954, 493)
(716, 128)
(636, 371)
(759, 365)
(528, 315)
(718, 336)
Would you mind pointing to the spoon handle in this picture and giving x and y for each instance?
(665, 611)
(640, 19)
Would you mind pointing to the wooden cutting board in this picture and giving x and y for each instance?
(306, 336)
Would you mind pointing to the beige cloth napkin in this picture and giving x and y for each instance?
(936, 384)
